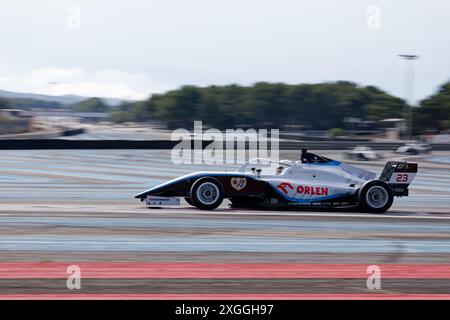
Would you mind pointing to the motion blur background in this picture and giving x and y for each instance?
(321, 66)
(360, 81)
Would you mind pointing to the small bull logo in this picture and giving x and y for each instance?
(238, 183)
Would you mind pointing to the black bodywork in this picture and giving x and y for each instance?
(256, 193)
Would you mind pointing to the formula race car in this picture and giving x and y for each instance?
(414, 148)
(312, 181)
(362, 154)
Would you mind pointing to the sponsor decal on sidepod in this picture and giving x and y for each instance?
(319, 191)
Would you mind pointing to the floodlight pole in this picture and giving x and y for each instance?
(409, 91)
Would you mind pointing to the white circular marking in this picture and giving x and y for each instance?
(207, 193)
(377, 197)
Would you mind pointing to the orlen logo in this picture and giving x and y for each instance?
(284, 186)
(319, 191)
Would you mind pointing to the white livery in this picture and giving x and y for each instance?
(312, 181)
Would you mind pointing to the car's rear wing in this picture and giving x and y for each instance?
(399, 174)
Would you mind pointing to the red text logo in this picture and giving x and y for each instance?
(319, 191)
(283, 187)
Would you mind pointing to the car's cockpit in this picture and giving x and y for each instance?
(308, 157)
(265, 166)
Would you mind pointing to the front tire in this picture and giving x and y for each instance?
(207, 193)
(375, 196)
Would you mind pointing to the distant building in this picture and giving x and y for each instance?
(16, 113)
(358, 126)
(393, 127)
(67, 118)
(14, 121)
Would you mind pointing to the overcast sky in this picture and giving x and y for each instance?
(132, 48)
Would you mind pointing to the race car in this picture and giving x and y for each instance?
(362, 154)
(313, 181)
(414, 148)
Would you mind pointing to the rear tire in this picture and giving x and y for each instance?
(207, 193)
(375, 196)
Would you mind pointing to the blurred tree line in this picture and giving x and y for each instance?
(434, 112)
(314, 106)
(264, 105)
(26, 103)
(90, 105)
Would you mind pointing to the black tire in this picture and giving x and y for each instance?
(207, 193)
(375, 196)
(189, 201)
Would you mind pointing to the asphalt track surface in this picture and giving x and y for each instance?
(78, 207)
